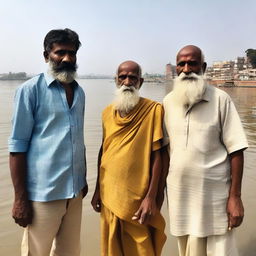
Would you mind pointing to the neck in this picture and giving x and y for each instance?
(65, 84)
(123, 113)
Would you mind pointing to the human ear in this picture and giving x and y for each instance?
(46, 56)
(141, 81)
(204, 67)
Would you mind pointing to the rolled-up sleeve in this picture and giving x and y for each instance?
(22, 121)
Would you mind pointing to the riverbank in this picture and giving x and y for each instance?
(234, 83)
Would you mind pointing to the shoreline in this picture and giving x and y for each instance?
(234, 83)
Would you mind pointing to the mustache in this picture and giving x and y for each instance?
(125, 88)
(64, 66)
(192, 77)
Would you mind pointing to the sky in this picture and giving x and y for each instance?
(149, 32)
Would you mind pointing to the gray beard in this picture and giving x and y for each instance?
(188, 89)
(126, 99)
(63, 76)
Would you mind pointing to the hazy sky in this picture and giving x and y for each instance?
(111, 31)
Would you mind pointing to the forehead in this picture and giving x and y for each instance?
(128, 69)
(63, 46)
(189, 54)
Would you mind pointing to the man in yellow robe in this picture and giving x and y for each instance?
(129, 189)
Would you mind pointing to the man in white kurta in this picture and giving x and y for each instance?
(206, 162)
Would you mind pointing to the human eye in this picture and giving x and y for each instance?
(122, 77)
(134, 78)
(181, 64)
(193, 63)
(60, 52)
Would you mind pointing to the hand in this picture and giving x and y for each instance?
(235, 211)
(22, 212)
(85, 190)
(145, 211)
(96, 201)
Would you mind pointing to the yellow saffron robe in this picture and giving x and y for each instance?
(125, 164)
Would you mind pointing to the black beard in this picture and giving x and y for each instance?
(64, 66)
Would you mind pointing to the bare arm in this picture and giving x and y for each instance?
(162, 181)
(22, 210)
(235, 209)
(85, 188)
(96, 201)
(148, 206)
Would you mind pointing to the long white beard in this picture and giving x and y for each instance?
(127, 97)
(188, 89)
(63, 76)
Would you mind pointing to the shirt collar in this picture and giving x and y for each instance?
(50, 80)
(207, 93)
(206, 97)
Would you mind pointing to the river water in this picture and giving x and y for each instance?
(99, 93)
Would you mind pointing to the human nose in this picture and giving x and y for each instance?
(127, 81)
(67, 58)
(187, 68)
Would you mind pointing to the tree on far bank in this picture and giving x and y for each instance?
(251, 54)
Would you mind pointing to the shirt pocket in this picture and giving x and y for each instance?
(205, 137)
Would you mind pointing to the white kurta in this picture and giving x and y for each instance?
(199, 177)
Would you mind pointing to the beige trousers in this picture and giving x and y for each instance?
(55, 229)
(218, 245)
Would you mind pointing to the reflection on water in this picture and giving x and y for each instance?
(98, 94)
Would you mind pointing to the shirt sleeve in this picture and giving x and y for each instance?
(233, 134)
(158, 129)
(22, 121)
(166, 139)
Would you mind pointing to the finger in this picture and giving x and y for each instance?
(138, 212)
(143, 217)
(98, 206)
(235, 221)
(21, 222)
(229, 222)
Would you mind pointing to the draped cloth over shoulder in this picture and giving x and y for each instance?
(125, 164)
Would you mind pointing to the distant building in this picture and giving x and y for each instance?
(239, 69)
(240, 64)
(153, 78)
(170, 71)
(222, 70)
(246, 74)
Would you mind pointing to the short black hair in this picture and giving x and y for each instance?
(61, 36)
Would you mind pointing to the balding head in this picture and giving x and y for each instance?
(191, 49)
(129, 74)
(190, 59)
(131, 65)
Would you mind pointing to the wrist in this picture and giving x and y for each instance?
(150, 197)
(235, 195)
(21, 197)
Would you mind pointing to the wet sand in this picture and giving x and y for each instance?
(99, 94)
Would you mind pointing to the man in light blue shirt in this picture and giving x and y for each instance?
(47, 152)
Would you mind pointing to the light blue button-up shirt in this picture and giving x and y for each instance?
(51, 134)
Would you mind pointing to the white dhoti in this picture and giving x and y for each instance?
(216, 245)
